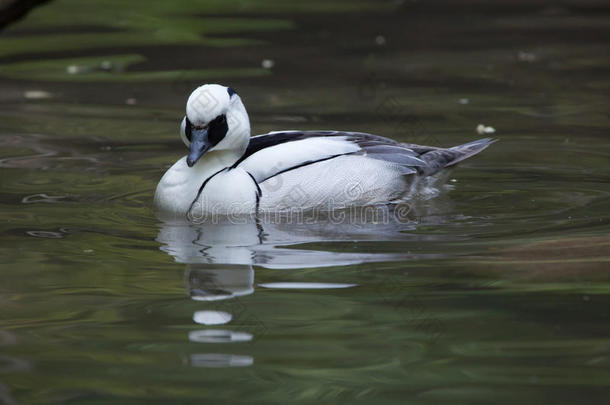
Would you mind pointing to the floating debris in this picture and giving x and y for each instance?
(482, 129)
(131, 101)
(106, 65)
(76, 69)
(103, 66)
(380, 40)
(523, 56)
(464, 101)
(267, 63)
(36, 94)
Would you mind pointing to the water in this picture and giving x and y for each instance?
(496, 290)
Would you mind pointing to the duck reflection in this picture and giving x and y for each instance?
(220, 257)
(213, 282)
(281, 242)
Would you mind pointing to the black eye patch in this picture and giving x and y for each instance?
(217, 129)
(188, 129)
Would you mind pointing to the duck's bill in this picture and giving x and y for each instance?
(199, 146)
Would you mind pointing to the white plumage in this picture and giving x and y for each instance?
(290, 154)
(228, 173)
(335, 183)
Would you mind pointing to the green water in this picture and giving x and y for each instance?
(495, 291)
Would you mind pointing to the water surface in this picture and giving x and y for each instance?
(495, 290)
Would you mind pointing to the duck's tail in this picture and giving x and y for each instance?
(439, 158)
(467, 150)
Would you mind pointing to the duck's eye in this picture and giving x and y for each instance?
(218, 129)
(188, 129)
(219, 121)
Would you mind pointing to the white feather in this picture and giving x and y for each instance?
(230, 192)
(206, 103)
(269, 161)
(335, 183)
(179, 186)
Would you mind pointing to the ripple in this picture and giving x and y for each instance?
(9, 364)
(538, 348)
(218, 336)
(42, 198)
(45, 234)
(306, 286)
(217, 360)
(7, 338)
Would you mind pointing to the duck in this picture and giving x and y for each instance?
(229, 172)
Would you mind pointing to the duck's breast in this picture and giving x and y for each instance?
(178, 188)
(229, 192)
(181, 186)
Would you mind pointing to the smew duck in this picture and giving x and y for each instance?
(228, 172)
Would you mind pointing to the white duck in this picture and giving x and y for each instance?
(287, 170)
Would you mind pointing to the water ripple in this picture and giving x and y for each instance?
(306, 286)
(218, 336)
(218, 360)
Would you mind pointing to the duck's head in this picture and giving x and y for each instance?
(215, 120)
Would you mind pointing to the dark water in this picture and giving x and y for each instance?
(496, 291)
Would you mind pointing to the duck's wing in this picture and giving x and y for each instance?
(278, 152)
